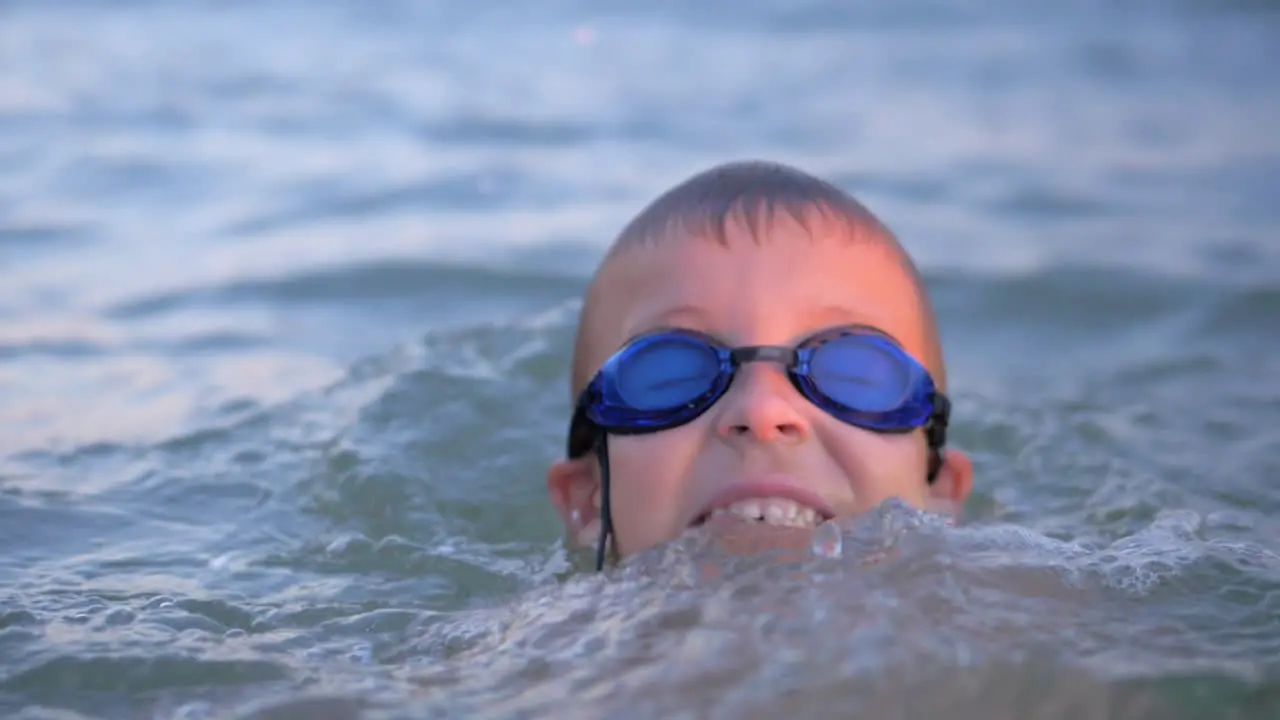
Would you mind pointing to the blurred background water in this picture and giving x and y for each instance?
(286, 297)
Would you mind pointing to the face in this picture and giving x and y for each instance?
(763, 445)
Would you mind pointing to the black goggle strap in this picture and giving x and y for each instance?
(606, 516)
(936, 433)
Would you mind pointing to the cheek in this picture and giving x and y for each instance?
(882, 466)
(648, 474)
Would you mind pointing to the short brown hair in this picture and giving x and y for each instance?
(751, 192)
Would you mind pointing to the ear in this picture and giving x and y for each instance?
(574, 488)
(954, 480)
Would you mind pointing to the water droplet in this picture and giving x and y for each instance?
(827, 542)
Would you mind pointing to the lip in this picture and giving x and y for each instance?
(765, 486)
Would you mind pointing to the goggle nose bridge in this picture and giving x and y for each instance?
(785, 356)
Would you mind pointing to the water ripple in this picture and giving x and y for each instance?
(285, 319)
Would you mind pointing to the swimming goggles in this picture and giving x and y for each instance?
(669, 378)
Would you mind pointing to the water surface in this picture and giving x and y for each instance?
(286, 299)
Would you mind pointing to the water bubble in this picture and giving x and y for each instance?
(827, 541)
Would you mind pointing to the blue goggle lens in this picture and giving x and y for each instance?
(863, 372)
(666, 372)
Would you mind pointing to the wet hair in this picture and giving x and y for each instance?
(750, 195)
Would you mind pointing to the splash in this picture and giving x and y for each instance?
(827, 541)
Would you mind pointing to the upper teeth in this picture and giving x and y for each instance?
(774, 511)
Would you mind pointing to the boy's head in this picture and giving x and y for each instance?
(742, 256)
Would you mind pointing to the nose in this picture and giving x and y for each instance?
(762, 406)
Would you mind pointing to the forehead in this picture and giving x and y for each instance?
(771, 288)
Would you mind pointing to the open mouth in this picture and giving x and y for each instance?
(780, 512)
